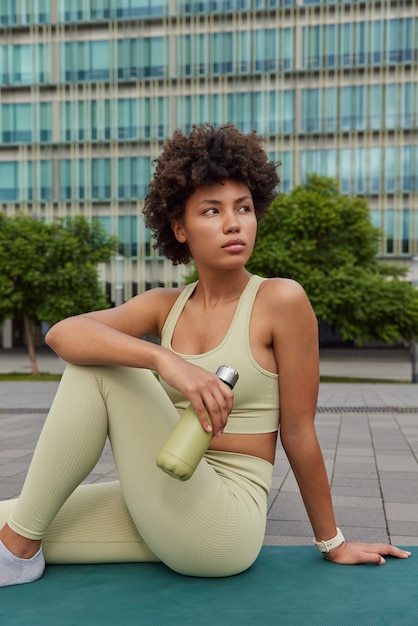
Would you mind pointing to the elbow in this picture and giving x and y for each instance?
(288, 442)
(292, 436)
(52, 338)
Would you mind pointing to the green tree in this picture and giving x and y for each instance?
(49, 270)
(326, 241)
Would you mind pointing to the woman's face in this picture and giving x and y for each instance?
(219, 224)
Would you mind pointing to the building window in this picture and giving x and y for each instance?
(142, 58)
(353, 109)
(73, 179)
(133, 177)
(138, 8)
(357, 44)
(87, 10)
(25, 122)
(128, 238)
(100, 179)
(319, 112)
(25, 64)
(25, 12)
(409, 160)
(44, 180)
(127, 119)
(16, 123)
(85, 61)
(399, 48)
(274, 49)
(9, 181)
(85, 120)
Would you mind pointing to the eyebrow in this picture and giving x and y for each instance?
(214, 201)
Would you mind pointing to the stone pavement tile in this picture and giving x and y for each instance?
(354, 454)
(393, 441)
(288, 506)
(12, 468)
(354, 470)
(281, 466)
(290, 484)
(351, 488)
(16, 478)
(289, 528)
(361, 502)
(288, 540)
(406, 477)
(405, 528)
(408, 423)
(27, 394)
(24, 456)
(360, 517)
(399, 490)
(386, 446)
(404, 512)
(397, 463)
(405, 540)
(277, 480)
(366, 533)
(272, 495)
(362, 464)
(10, 490)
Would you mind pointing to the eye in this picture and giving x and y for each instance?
(211, 211)
(244, 208)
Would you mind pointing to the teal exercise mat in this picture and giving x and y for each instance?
(286, 585)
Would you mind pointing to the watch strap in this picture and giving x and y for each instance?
(330, 544)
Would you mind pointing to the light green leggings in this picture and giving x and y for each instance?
(211, 525)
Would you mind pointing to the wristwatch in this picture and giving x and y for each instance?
(326, 546)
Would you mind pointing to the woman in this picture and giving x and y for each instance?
(207, 195)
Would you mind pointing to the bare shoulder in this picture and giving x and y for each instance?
(283, 292)
(284, 306)
(158, 302)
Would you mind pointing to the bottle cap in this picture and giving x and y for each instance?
(228, 375)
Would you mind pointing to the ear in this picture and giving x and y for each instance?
(178, 230)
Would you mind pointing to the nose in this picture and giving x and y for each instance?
(231, 224)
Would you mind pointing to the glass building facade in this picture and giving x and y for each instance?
(89, 90)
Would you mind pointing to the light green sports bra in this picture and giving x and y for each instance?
(256, 394)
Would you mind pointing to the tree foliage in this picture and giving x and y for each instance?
(325, 240)
(49, 270)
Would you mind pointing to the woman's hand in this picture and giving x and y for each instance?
(204, 390)
(352, 553)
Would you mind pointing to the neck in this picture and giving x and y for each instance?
(222, 287)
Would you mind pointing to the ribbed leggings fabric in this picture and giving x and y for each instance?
(211, 525)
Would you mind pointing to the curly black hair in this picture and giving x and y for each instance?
(206, 156)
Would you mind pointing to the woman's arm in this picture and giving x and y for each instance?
(296, 351)
(112, 337)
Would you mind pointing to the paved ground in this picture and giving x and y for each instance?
(368, 433)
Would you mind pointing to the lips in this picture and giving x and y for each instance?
(236, 244)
